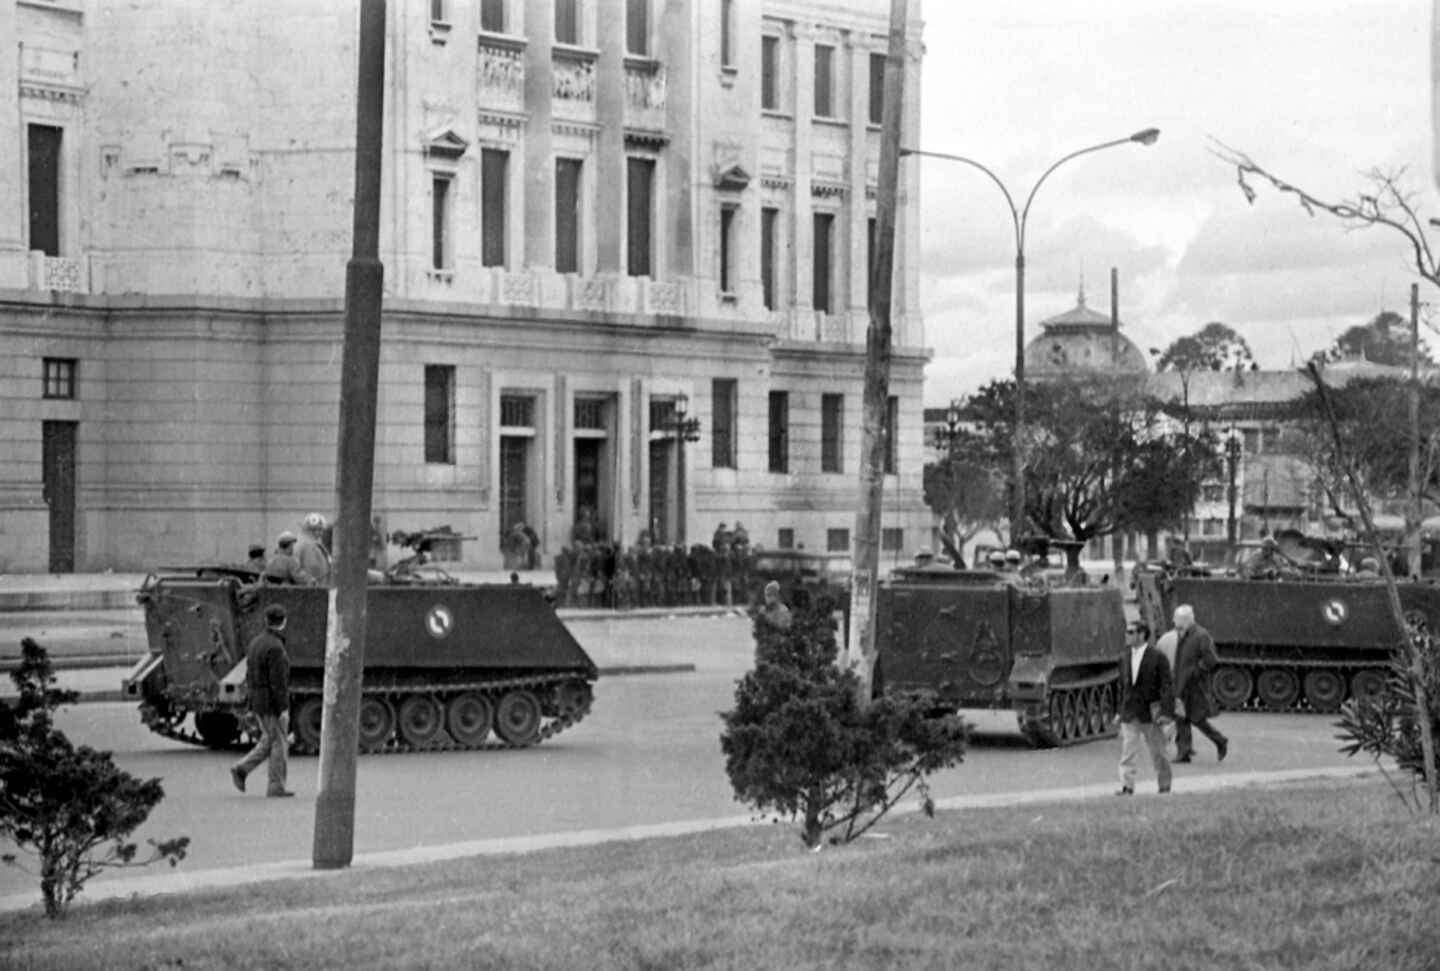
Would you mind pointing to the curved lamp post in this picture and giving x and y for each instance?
(1019, 217)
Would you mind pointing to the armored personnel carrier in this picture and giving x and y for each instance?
(981, 639)
(446, 664)
(1290, 644)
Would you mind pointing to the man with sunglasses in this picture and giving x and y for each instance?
(1147, 705)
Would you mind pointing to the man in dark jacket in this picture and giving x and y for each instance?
(1194, 660)
(1147, 703)
(267, 688)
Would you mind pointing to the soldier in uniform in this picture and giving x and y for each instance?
(624, 585)
(283, 567)
(1269, 563)
(311, 550)
(564, 563)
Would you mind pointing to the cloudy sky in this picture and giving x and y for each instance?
(1318, 91)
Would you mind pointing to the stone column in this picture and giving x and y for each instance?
(678, 37)
(539, 153)
(610, 144)
(857, 177)
(801, 231)
(13, 167)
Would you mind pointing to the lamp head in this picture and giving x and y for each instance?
(682, 406)
(1149, 136)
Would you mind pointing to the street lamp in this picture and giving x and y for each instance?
(945, 437)
(1232, 457)
(1018, 218)
(685, 430)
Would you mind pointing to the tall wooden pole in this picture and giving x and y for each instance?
(860, 649)
(334, 843)
(1412, 508)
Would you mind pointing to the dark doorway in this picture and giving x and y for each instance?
(662, 486)
(514, 481)
(58, 463)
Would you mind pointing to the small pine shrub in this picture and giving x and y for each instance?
(69, 807)
(799, 744)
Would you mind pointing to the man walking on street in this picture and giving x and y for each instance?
(267, 686)
(1194, 660)
(1147, 700)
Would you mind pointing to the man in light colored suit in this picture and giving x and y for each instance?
(1147, 703)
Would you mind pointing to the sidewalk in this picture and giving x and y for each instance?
(181, 881)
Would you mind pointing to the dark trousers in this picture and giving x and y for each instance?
(1184, 741)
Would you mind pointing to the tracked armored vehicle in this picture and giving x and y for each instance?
(980, 639)
(1303, 644)
(447, 665)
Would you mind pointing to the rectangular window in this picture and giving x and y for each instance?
(722, 423)
(440, 222)
(567, 22)
(727, 240)
(727, 33)
(59, 377)
(769, 224)
(437, 11)
(567, 215)
(494, 165)
(637, 26)
(892, 539)
(44, 176)
(639, 184)
(779, 431)
(832, 432)
(824, 224)
(824, 81)
(877, 88)
(785, 538)
(770, 73)
(892, 428)
(439, 413)
(517, 411)
(492, 16)
(870, 263)
(837, 540)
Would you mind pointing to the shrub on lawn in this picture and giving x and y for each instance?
(70, 807)
(1389, 723)
(799, 744)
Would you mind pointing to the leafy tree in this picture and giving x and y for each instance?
(70, 807)
(799, 744)
(1214, 347)
(1099, 457)
(967, 495)
(1384, 340)
(1372, 433)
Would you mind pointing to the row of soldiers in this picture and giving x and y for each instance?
(602, 574)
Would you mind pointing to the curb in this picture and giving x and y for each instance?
(611, 671)
(20, 601)
(219, 879)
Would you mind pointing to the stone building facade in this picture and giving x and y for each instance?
(599, 217)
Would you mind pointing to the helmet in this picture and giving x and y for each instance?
(1268, 543)
(1013, 556)
(314, 522)
(996, 557)
(285, 538)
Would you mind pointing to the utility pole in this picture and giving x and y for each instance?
(860, 648)
(334, 843)
(1412, 509)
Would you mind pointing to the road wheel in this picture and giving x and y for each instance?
(377, 723)
(1057, 715)
(1366, 685)
(1324, 689)
(517, 718)
(420, 719)
(1071, 707)
(305, 723)
(468, 718)
(1278, 688)
(1231, 686)
(219, 729)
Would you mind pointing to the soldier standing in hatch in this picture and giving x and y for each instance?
(311, 552)
(267, 692)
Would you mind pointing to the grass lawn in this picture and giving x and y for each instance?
(1332, 875)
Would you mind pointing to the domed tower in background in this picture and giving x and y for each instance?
(1084, 343)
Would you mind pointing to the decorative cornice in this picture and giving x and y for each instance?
(775, 181)
(583, 129)
(646, 138)
(501, 119)
(827, 190)
(51, 92)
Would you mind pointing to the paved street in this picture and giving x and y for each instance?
(649, 753)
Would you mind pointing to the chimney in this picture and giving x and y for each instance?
(1115, 298)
